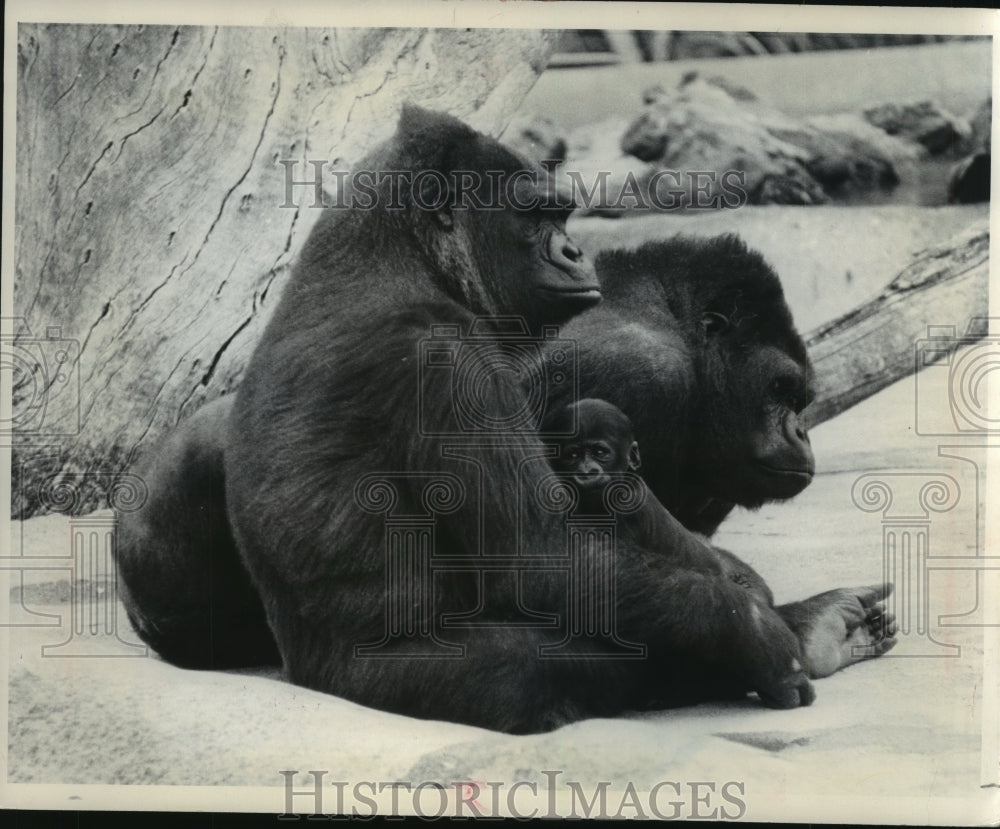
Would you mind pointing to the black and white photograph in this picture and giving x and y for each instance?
(500, 409)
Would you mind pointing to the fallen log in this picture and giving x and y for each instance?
(869, 348)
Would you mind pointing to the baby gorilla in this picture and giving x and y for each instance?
(596, 446)
(603, 446)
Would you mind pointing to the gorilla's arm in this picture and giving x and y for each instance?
(694, 615)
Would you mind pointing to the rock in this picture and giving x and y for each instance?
(595, 157)
(709, 126)
(830, 172)
(979, 137)
(734, 90)
(611, 187)
(599, 140)
(852, 130)
(788, 189)
(537, 139)
(652, 94)
(982, 122)
(646, 137)
(853, 169)
(924, 122)
(970, 180)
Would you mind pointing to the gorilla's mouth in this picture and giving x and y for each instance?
(577, 294)
(787, 476)
(590, 481)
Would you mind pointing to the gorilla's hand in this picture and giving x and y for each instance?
(841, 627)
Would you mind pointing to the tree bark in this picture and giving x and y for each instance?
(875, 345)
(150, 243)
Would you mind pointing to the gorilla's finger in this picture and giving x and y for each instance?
(883, 646)
(889, 625)
(873, 593)
(793, 694)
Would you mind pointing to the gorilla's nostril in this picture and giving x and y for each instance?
(572, 252)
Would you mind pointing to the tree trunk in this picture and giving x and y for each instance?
(942, 296)
(150, 243)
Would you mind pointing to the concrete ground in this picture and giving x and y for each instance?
(898, 739)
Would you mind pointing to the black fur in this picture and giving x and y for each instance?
(183, 584)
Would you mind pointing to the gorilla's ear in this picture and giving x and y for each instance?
(634, 461)
(430, 143)
(714, 322)
(434, 196)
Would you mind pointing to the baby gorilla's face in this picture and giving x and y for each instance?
(601, 446)
(590, 462)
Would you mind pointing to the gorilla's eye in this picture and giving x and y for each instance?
(533, 221)
(714, 323)
(791, 392)
(786, 389)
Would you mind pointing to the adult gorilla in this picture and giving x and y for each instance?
(336, 390)
(694, 341)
